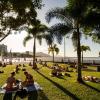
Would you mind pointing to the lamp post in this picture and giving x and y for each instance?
(64, 49)
(10, 58)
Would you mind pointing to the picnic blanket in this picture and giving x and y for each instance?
(34, 87)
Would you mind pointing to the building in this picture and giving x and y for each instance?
(3, 51)
(3, 48)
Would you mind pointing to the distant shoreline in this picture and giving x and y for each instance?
(57, 59)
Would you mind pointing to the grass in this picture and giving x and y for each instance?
(54, 88)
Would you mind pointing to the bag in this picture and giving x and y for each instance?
(22, 93)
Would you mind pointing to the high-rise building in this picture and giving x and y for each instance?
(3, 48)
(3, 51)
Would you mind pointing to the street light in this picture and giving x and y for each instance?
(64, 48)
(68, 37)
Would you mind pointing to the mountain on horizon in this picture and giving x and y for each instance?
(41, 54)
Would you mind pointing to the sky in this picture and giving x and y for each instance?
(15, 42)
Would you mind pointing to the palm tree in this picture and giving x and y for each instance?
(53, 48)
(99, 54)
(84, 48)
(74, 20)
(36, 32)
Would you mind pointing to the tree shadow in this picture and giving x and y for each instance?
(60, 87)
(60, 77)
(89, 70)
(42, 96)
(84, 83)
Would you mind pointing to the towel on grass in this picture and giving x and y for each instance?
(34, 87)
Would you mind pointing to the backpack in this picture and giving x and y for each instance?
(22, 93)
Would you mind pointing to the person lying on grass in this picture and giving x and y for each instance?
(11, 82)
(55, 72)
(28, 80)
(91, 78)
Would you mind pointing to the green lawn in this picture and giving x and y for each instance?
(63, 88)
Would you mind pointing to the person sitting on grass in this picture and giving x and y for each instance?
(4, 65)
(55, 72)
(17, 69)
(35, 65)
(66, 69)
(24, 65)
(1, 71)
(11, 82)
(30, 64)
(45, 64)
(28, 80)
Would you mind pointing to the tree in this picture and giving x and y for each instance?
(99, 54)
(93, 19)
(36, 31)
(84, 48)
(74, 19)
(53, 48)
(16, 14)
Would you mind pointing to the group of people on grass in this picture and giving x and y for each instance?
(55, 70)
(18, 68)
(12, 83)
(91, 78)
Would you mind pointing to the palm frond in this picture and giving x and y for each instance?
(42, 28)
(27, 38)
(39, 38)
(49, 38)
(57, 50)
(85, 48)
(96, 38)
(59, 13)
(95, 4)
(50, 50)
(74, 39)
(62, 28)
(59, 30)
(32, 31)
(92, 19)
(53, 48)
(77, 8)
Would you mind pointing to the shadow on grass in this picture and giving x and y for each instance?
(42, 96)
(84, 83)
(89, 70)
(60, 87)
(60, 77)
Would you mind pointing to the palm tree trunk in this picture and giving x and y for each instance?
(34, 50)
(79, 78)
(53, 56)
(82, 57)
